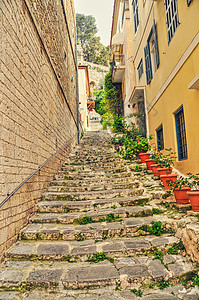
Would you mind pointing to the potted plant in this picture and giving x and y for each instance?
(152, 161)
(166, 179)
(165, 162)
(141, 146)
(180, 188)
(194, 193)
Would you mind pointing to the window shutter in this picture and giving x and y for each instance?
(148, 66)
(156, 45)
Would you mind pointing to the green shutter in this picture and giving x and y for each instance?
(148, 66)
(156, 44)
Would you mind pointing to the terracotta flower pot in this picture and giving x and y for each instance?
(164, 171)
(167, 178)
(149, 162)
(144, 156)
(194, 199)
(154, 169)
(181, 195)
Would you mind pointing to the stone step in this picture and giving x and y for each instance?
(101, 187)
(57, 196)
(82, 250)
(91, 175)
(101, 214)
(89, 166)
(127, 272)
(75, 206)
(100, 170)
(92, 181)
(129, 227)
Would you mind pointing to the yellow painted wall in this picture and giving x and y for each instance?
(176, 93)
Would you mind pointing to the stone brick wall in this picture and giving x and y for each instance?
(38, 112)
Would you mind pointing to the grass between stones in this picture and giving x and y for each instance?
(97, 257)
(156, 228)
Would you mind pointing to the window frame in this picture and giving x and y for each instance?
(160, 143)
(140, 69)
(135, 15)
(169, 9)
(147, 54)
(189, 2)
(179, 135)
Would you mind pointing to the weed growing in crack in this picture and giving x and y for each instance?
(163, 284)
(176, 248)
(138, 293)
(157, 228)
(96, 257)
(156, 211)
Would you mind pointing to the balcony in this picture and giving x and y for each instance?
(118, 68)
(90, 105)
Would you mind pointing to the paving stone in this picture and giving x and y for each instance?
(17, 264)
(159, 296)
(157, 269)
(92, 275)
(52, 250)
(45, 276)
(135, 271)
(8, 295)
(176, 269)
(84, 250)
(115, 247)
(137, 244)
(10, 276)
(22, 249)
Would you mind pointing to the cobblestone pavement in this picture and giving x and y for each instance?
(95, 235)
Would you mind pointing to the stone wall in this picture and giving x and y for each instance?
(38, 112)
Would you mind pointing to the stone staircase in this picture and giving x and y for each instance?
(96, 229)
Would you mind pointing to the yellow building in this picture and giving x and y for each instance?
(84, 94)
(165, 57)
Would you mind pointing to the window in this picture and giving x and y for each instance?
(181, 134)
(140, 69)
(160, 139)
(135, 14)
(189, 2)
(172, 20)
(151, 54)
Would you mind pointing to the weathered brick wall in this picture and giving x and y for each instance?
(37, 100)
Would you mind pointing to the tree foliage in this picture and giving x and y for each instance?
(93, 50)
(113, 97)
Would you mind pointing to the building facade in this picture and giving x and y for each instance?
(38, 103)
(165, 63)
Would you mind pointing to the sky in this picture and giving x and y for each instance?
(102, 10)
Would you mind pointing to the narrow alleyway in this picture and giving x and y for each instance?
(95, 235)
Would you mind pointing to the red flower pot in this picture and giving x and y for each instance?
(164, 171)
(181, 195)
(149, 162)
(144, 156)
(154, 169)
(194, 199)
(167, 178)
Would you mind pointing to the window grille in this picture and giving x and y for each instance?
(160, 138)
(172, 20)
(181, 134)
(135, 14)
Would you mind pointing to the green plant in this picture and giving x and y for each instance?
(195, 280)
(157, 229)
(194, 181)
(163, 284)
(138, 169)
(158, 255)
(176, 248)
(96, 257)
(138, 293)
(156, 211)
(141, 144)
(180, 182)
(79, 237)
(167, 160)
